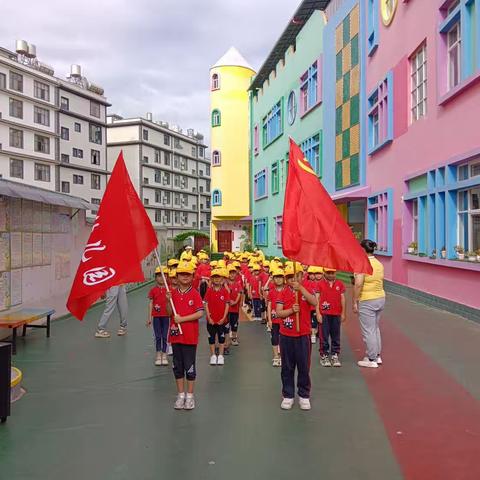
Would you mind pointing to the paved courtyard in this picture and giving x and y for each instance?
(100, 409)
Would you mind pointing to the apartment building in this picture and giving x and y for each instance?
(168, 168)
(52, 130)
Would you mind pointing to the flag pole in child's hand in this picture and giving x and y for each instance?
(297, 299)
(168, 290)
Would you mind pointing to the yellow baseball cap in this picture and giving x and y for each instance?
(232, 267)
(172, 262)
(256, 268)
(289, 270)
(329, 270)
(278, 273)
(186, 267)
(172, 273)
(159, 270)
(213, 263)
(221, 272)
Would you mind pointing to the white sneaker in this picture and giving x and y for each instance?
(159, 360)
(325, 361)
(235, 342)
(269, 329)
(304, 403)
(189, 402)
(179, 402)
(313, 338)
(122, 331)
(213, 360)
(169, 350)
(336, 361)
(164, 360)
(287, 403)
(367, 363)
(102, 334)
(220, 360)
(379, 360)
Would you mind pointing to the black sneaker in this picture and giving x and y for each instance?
(226, 351)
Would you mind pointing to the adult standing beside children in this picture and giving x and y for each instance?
(368, 303)
(115, 297)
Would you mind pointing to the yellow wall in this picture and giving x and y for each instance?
(231, 139)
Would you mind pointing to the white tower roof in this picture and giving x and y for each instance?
(233, 58)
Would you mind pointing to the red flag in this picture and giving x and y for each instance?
(121, 238)
(313, 231)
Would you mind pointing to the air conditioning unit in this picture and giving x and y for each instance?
(145, 201)
(145, 180)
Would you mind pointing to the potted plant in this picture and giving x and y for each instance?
(434, 253)
(412, 248)
(478, 255)
(472, 256)
(460, 252)
(443, 253)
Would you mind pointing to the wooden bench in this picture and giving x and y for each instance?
(24, 318)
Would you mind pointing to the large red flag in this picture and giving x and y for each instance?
(122, 236)
(313, 231)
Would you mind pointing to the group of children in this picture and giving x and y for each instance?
(298, 303)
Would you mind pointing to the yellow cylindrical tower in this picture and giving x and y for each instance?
(230, 78)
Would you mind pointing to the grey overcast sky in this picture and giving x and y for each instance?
(148, 55)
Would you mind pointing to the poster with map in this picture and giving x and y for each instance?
(15, 287)
(27, 249)
(4, 290)
(15, 250)
(4, 252)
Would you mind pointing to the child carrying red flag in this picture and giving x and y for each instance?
(293, 308)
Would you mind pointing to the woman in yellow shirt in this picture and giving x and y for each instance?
(369, 302)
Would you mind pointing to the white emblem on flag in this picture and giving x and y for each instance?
(98, 275)
(91, 247)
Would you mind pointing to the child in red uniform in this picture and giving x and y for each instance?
(157, 310)
(216, 303)
(236, 288)
(264, 279)
(312, 283)
(202, 275)
(295, 346)
(274, 294)
(189, 309)
(332, 308)
(255, 293)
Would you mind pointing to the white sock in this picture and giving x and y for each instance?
(181, 395)
(189, 395)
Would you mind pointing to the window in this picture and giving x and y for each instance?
(260, 232)
(64, 103)
(278, 230)
(216, 198)
(158, 216)
(418, 84)
(291, 107)
(216, 118)
(157, 156)
(42, 172)
(166, 178)
(65, 133)
(95, 157)
(176, 198)
(145, 135)
(468, 208)
(380, 221)
(78, 127)
(260, 185)
(454, 55)
(94, 109)
(176, 161)
(176, 180)
(42, 145)
(78, 179)
(77, 153)
(41, 116)
(272, 124)
(16, 168)
(380, 115)
(3, 80)
(16, 108)
(65, 187)
(415, 221)
(310, 91)
(216, 158)
(166, 139)
(311, 149)
(201, 152)
(215, 81)
(16, 138)
(275, 178)
(16, 81)
(372, 26)
(158, 176)
(145, 159)
(41, 90)
(200, 173)
(256, 140)
(167, 159)
(207, 170)
(65, 158)
(95, 181)
(176, 143)
(194, 152)
(95, 201)
(95, 134)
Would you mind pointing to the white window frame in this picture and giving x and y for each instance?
(470, 212)
(457, 45)
(418, 83)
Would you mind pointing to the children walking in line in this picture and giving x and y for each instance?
(274, 294)
(158, 315)
(293, 308)
(216, 304)
(332, 308)
(189, 309)
(255, 290)
(236, 289)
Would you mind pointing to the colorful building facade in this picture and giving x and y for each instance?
(230, 78)
(285, 101)
(399, 151)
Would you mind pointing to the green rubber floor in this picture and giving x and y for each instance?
(100, 409)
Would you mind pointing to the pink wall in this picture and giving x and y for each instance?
(446, 131)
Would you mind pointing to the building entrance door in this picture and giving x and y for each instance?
(225, 238)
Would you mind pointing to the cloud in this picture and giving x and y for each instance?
(148, 55)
